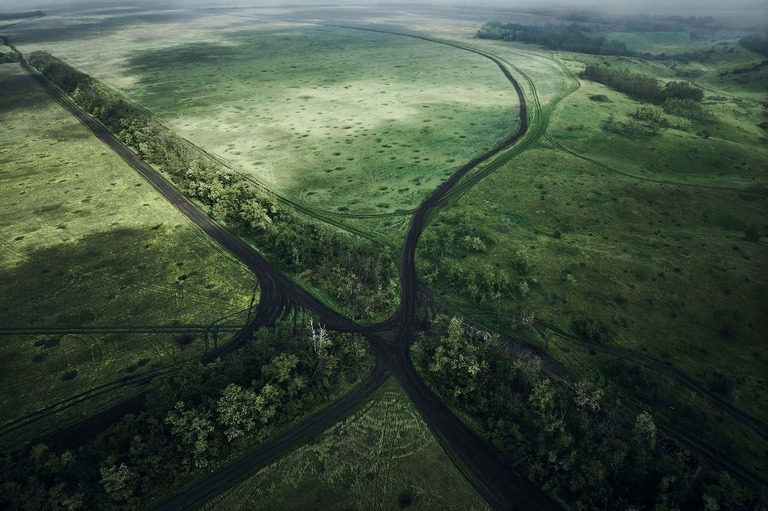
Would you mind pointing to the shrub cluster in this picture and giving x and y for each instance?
(641, 87)
(6, 58)
(757, 43)
(649, 121)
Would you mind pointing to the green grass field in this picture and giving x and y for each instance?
(343, 121)
(644, 238)
(88, 243)
(649, 248)
(381, 457)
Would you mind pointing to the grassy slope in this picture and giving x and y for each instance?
(382, 457)
(647, 248)
(87, 242)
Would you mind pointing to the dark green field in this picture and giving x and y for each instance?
(647, 249)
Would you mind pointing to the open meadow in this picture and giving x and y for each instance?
(590, 299)
(88, 244)
(281, 101)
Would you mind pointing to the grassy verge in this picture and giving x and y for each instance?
(382, 457)
(88, 243)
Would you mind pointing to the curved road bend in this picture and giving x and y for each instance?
(488, 472)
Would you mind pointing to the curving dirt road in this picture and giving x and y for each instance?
(490, 474)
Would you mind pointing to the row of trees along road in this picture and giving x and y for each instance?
(360, 276)
(194, 420)
(572, 439)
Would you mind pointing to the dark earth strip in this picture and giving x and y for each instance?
(140, 329)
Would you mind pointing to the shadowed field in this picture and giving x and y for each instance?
(87, 242)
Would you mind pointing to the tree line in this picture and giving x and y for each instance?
(577, 38)
(194, 420)
(19, 15)
(757, 43)
(362, 278)
(562, 37)
(631, 22)
(578, 444)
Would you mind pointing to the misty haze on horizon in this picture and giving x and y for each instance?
(612, 6)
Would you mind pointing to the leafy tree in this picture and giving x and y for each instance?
(238, 409)
(644, 431)
(474, 243)
(586, 397)
(457, 358)
(194, 429)
(119, 481)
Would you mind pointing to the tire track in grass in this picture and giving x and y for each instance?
(753, 423)
(240, 469)
(701, 186)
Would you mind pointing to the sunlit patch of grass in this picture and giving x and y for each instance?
(299, 107)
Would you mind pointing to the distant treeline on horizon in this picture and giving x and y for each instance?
(19, 15)
(555, 37)
(642, 22)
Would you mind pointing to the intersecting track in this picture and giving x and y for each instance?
(490, 474)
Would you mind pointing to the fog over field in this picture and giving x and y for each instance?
(633, 6)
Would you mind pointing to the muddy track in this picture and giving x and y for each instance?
(491, 475)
